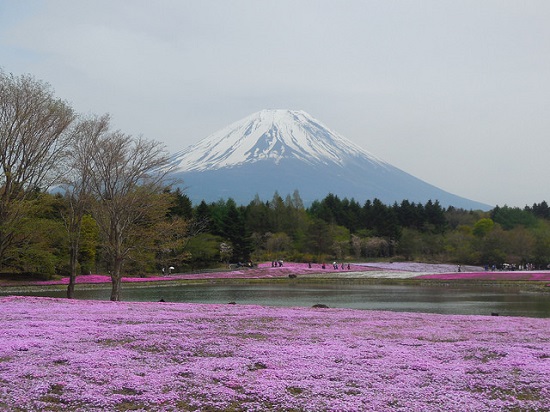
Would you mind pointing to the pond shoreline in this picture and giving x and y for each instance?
(521, 286)
(376, 273)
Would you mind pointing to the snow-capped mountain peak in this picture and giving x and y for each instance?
(286, 150)
(272, 135)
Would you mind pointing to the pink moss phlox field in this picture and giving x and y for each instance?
(263, 270)
(76, 355)
(517, 275)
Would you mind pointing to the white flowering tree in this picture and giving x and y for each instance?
(226, 251)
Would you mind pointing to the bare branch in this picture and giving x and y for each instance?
(34, 138)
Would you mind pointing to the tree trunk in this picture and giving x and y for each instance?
(72, 276)
(115, 288)
(116, 280)
(70, 286)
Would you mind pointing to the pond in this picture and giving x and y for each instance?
(401, 298)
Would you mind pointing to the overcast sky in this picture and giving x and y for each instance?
(454, 92)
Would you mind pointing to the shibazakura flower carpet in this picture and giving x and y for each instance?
(76, 355)
(262, 271)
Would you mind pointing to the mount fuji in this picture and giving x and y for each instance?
(287, 150)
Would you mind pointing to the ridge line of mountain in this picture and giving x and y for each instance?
(288, 150)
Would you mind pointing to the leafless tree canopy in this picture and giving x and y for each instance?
(117, 178)
(33, 134)
(76, 185)
(126, 177)
(33, 139)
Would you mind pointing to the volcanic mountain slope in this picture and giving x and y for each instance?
(286, 150)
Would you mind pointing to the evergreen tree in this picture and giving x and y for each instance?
(297, 202)
(234, 230)
(367, 219)
(540, 210)
(435, 216)
(182, 205)
(408, 215)
(277, 206)
(258, 217)
(352, 212)
(510, 217)
(318, 235)
(384, 221)
(202, 213)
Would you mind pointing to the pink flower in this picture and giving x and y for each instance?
(58, 354)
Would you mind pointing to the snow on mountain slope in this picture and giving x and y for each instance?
(283, 151)
(273, 135)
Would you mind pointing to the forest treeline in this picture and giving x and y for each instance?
(78, 197)
(343, 229)
(213, 234)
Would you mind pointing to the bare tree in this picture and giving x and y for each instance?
(33, 140)
(356, 245)
(277, 243)
(126, 179)
(77, 187)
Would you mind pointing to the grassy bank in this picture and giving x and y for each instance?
(515, 285)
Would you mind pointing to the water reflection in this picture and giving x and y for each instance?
(402, 298)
